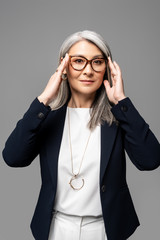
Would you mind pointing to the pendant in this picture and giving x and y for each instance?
(75, 182)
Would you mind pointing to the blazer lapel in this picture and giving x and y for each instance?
(53, 148)
(108, 134)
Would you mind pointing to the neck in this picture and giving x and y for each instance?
(78, 101)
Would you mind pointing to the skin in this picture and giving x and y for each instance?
(82, 90)
(84, 83)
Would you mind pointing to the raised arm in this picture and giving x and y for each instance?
(140, 143)
(23, 145)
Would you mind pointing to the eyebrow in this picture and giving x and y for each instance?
(96, 56)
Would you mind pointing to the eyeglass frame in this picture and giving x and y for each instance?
(88, 61)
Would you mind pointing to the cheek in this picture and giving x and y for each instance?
(101, 77)
(72, 74)
(99, 83)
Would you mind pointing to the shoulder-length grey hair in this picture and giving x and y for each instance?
(101, 108)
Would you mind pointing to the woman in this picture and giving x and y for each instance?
(81, 143)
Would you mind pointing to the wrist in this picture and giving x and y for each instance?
(118, 99)
(43, 99)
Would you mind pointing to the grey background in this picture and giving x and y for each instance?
(32, 32)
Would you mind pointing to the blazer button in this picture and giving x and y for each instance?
(103, 188)
(124, 108)
(40, 115)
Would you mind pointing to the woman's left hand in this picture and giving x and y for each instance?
(116, 92)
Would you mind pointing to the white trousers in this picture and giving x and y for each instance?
(69, 227)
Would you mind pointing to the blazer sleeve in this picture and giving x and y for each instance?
(140, 143)
(22, 146)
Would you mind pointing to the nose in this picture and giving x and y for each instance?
(88, 69)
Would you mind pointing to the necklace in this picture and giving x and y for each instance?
(76, 176)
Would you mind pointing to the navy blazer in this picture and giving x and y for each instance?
(40, 132)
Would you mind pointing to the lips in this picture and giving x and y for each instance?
(87, 81)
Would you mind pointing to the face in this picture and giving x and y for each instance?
(87, 81)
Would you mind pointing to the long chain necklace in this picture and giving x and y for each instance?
(75, 176)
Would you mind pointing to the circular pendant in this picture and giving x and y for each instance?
(76, 183)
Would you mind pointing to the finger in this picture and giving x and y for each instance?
(61, 67)
(117, 67)
(63, 64)
(119, 75)
(107, 85)
(111, 66)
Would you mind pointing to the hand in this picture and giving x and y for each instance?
(53, 85)
(116, 92)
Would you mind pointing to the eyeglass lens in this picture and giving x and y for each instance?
(79, 63)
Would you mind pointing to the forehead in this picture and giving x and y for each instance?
(85, 48)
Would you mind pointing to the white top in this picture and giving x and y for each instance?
(86, 201)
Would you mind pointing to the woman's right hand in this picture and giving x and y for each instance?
(54, 83)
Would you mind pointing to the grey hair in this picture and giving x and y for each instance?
(101, 108)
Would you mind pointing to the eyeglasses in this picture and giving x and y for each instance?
(79, 63)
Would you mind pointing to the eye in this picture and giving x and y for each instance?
(78, 60)
(98, 61)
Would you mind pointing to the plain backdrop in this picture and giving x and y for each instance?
(31, 33)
